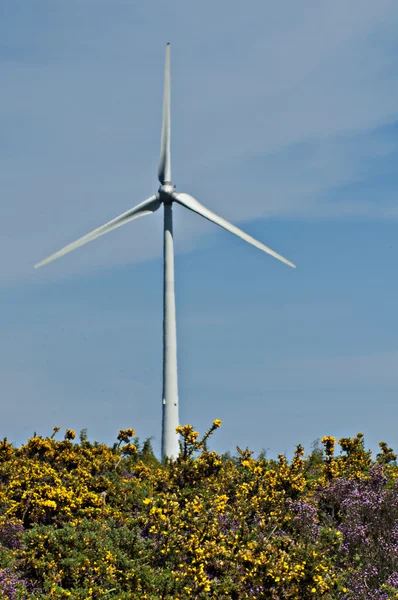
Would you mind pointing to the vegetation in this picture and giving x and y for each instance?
(85, 520)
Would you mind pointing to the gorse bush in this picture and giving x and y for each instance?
(85, 520)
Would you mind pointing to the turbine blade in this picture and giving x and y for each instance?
(191, 203)
(164, 170)
(145, 208)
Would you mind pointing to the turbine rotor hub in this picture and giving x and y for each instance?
(166, 192)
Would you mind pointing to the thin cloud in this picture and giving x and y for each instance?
(286, 113)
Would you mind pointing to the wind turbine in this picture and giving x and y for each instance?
(167, 196)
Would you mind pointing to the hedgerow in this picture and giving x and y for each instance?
(85, 520)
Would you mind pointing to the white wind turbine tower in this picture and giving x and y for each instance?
(167, 195)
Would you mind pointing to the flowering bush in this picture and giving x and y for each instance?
(85, 520)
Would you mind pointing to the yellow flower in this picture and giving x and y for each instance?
(217, 423)
(124, 435)
(329, 441)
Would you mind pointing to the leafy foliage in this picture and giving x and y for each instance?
(84, 520)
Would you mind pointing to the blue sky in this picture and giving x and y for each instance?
(284, 121)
